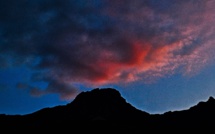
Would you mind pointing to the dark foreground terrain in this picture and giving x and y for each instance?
(104, 110)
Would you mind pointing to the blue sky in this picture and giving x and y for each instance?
(158, 53)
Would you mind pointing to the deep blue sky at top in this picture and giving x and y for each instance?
(158, 53)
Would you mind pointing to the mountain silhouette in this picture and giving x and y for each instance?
(107, 109)
(200, 115)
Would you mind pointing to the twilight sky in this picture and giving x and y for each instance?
(160, 54)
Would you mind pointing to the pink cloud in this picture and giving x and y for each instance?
(144, 43)
(115, 42)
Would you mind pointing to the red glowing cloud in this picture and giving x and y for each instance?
(108, 41)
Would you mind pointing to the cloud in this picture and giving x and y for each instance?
(98, 42)
(65, 91)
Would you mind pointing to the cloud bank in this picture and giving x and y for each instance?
(97, 42)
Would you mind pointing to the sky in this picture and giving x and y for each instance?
(159, 54)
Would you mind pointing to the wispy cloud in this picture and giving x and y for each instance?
(106, 41)
(66, 91)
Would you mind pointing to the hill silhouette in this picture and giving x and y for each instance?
(107, 109)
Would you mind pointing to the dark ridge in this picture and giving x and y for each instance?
(114, 113)
(107, 104)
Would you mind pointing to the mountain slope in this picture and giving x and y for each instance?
(104, 104)
(108, 106)
(200, 115)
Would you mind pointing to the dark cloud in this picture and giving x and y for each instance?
(105, 41)
(64, 90)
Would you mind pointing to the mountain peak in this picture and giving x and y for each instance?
(211, 99)
(105, 103)
(107, 91)
(204, 105)
(99, 96)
